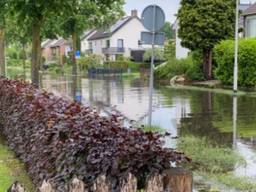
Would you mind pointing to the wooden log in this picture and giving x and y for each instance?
(77, 186)
(46, 187)
(16, 187)
(129, 184)
(101, 184)
(178, 180)
(154, 183)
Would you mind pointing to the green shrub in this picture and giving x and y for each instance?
(188, 67)
(12, 53)
(89, 61)
(224, 58)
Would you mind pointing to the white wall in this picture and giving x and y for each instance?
(85, 43)
(250, 26)
(180, 51)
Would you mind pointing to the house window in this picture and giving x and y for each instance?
(120, 43)
(251, 27)
(108, 43)
(90, 45)
(54, 51)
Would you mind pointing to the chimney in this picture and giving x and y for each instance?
(134, 13)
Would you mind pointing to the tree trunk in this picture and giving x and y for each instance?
(2, 52)
(178, 180)
(24, 57)
(36, 53)
(74, 47)
(207, 64)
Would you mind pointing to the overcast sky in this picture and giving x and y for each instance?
(170, 6)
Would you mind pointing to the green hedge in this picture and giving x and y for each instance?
(190, 67)
(224, 58)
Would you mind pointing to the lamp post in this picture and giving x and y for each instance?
(235, 83)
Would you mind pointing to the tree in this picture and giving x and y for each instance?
(83, 15)
(35, 14)
(204, 23)
(38, 15)
(20, 35)
(167, 29)
(3, 11)
(169, 49)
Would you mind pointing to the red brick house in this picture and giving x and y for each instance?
(53, 51)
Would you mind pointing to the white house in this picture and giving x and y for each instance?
(121, 38)
(249, 16)
(86, 47)
(180, 51)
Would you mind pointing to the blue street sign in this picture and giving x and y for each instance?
(78, 96)
(78, 54)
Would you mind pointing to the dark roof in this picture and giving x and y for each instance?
(251, 10)
(58, 42)
(87, 33)
(53, 43)
(105, 33)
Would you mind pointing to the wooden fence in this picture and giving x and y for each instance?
(172, 180)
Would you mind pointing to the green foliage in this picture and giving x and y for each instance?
(159, 55)
(167, 29)
(89, 61)
(152, 128)
(117, 64)
(208, 157)
(188, 67)
(239, 183)
(169, 49)
(203, 23)
(12, 53)
(224, 57)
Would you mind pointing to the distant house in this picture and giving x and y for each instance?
(121, 38)
(54, 50)
(249, 19)
(86, 46)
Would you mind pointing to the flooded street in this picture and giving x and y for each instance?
(221, 119)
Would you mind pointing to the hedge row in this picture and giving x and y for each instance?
(224, 58)
(60, 139)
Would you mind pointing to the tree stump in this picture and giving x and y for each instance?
(77, 186)
(16, 187)
(178, 180)
(46, 187)
(129, 184)
(154, 183)
(101, 184)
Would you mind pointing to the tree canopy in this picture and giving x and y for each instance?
(204, 23)
(50, 18)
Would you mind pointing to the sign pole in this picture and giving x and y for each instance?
(235, 84)
(151, 81)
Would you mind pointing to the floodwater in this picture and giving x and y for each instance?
(220, 118)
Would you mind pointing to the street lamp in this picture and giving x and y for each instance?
(235, 84)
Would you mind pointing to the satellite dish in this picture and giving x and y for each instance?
(153, 18)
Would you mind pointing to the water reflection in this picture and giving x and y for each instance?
(222, 119)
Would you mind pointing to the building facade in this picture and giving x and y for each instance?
(120, 39)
